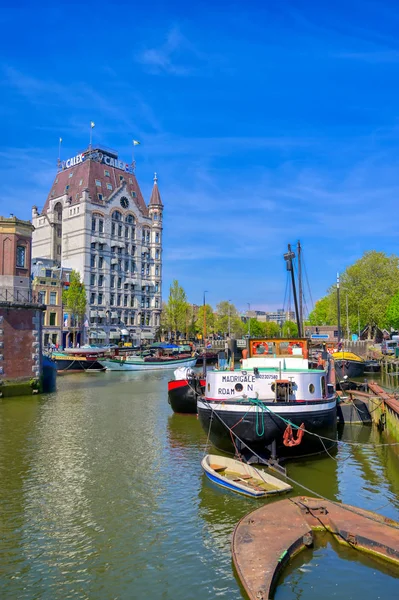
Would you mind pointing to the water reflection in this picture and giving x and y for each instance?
(103, 495)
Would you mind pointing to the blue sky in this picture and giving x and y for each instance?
(266, 123)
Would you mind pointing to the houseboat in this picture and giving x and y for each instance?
(275, 404)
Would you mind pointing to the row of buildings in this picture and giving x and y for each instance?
(94, 221)
(279, 316)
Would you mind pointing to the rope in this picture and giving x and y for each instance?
(323, 436)
(304, 487)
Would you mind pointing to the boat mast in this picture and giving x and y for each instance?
(288, 258)
(300, 290)
(338, 310)
(204, 338)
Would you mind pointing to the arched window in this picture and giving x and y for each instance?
(130, 219)
(116, 216)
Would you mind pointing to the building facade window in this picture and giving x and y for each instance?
(92, 261)
(100, 280)
(157, 238)
(42, 297)
(112, 281)
(53, 298)
(100, 262)
(101, 226)
(98, 183)
(92, 279)
(92, 298)
(52, 319)
(21, 256)
(100, 298)
(93, 224)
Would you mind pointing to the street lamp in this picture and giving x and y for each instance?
(249, 320)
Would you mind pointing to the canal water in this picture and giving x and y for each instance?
(102, 497)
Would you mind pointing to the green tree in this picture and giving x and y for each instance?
(392, 315)
(226, 313)
(320, 314)
(210, 320)
(290, 329)
(74, 301)
(272, 329)
(367, 287)
(175, 311)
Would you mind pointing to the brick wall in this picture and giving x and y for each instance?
(20, 348)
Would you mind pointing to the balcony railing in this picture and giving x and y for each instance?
(12, 295)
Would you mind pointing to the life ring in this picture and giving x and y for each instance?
(288, 437)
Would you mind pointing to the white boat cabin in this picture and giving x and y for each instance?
(274, 370)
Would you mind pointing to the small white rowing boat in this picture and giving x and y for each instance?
(242, 478)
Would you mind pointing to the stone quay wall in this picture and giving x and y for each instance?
(20, 348)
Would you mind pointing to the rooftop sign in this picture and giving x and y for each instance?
(98, 156)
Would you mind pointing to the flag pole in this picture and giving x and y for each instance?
(91, 133)
(59, 153)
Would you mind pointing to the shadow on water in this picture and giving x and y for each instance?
(331, 571)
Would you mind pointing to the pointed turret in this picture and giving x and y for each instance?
(155, 199)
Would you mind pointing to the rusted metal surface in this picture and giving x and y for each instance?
(389, 399)
(265, 540)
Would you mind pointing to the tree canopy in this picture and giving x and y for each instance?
(368, 287)
(392, 315)
(227, 314)
(175, 312)
(74, 297)
(74, 300)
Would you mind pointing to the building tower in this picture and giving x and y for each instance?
(95, 221)
(155, 209)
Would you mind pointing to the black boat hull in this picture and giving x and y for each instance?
(258, 430)
(183, 394)
(350, 368)
(74, 365)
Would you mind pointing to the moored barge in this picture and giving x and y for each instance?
(261, 405)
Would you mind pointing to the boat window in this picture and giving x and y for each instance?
(311, 388)
(238, 387)
(323, 386)
(283, 390)
(209, 387)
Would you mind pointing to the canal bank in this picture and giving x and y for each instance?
(103, 496)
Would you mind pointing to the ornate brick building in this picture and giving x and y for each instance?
(95, 221)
